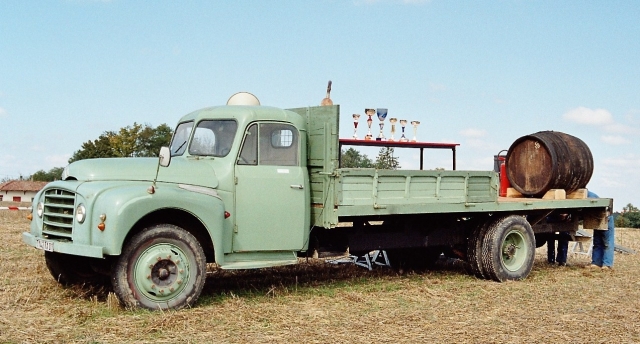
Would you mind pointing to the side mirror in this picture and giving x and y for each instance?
(165, 156)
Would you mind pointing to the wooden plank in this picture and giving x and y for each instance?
(513, 193)
(555, 194)
(578, 194)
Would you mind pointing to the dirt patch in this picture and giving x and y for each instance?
(316, 302)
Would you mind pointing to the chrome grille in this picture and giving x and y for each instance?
(59, 207)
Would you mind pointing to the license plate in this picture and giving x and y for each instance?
(44, 245)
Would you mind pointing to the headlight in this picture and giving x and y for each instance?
(40, 209)
(81, 213)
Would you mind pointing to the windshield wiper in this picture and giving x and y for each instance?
(177, 149)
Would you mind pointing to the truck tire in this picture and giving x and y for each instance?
(508, 249)
(69, 270)
(474, 250)
(162, 267)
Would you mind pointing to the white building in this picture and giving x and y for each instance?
(19, 190)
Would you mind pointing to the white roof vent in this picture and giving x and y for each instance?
(243, 98)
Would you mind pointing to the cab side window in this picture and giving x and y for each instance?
(278, 145)
(273, 144)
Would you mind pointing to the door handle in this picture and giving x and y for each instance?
(297, 187)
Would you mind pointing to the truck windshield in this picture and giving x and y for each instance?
(213, 138)
(180, 138)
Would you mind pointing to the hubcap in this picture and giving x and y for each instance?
(514, 251)
(160, 272)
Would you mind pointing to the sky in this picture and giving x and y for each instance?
(478, 73)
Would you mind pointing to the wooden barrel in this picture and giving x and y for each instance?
(548, 160)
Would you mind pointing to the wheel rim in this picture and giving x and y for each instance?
(514, 251)
(161, 272)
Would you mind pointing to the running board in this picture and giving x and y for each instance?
(257, 260)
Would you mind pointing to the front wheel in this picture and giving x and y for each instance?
(75, 270)
(508, 249)
(161, 267)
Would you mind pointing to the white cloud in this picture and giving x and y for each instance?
(629, 161)
(58, 160)
(3, 113)
(473, 133)
(614, 140)
(612, 182)
(620, 129)
(583, 115)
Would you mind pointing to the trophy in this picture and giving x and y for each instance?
(393, 128)
(415, 128)
(369, 112)
(403, 123)
(382, 114)
(355, 125)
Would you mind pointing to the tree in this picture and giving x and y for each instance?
(99, 148)
(42, 176)
(131, 141)
(629, 218)
(352, 158)
(386, 160)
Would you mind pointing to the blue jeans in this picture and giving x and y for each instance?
(563, 246)
(604, 245)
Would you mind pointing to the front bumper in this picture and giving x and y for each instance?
(66, 247)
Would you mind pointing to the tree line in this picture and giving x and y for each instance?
(629, 217)
(135, 140)
(385, 160)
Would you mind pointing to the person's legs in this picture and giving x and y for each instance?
(609, 244)
(551, 251)
(598, 247)
(563, 247)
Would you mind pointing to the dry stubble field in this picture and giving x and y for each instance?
(315, 302)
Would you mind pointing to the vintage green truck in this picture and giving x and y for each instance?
(249, 187)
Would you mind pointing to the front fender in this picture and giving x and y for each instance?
(126, 206)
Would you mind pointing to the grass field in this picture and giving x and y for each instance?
(315, 302)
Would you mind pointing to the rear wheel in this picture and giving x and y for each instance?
(474, 249)
(508, 249)
(161, 267)
(68, 269)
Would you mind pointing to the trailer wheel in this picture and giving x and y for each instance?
(73, 270)
(474, 250)
(161, 267)
(508, 249)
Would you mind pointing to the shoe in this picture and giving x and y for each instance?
(562, 264)
(592, 266)
(607, 268)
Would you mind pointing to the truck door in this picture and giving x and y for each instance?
(271, 197)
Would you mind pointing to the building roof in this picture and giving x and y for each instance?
(22, 185)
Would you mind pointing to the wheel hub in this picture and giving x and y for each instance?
(514, 253)
(510, 251)
(160, 272)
